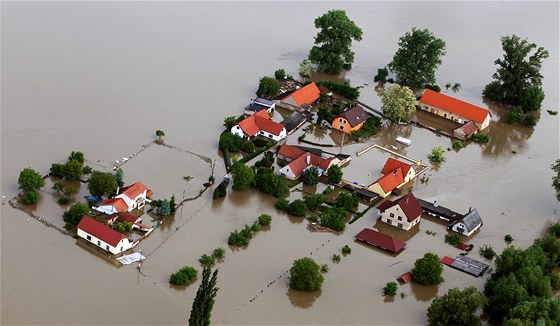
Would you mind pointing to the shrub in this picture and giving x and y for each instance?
(87, 169)
(555, 230)
(219, 253)
(183, 276)
(346, 250)
(452, 239)
(333, 218)
(346, 200)
(56, 170)
(230, 142)
(65, 200)
(434, 88)
(259, 142)
(343, 89)
(390, 288)
(457, 144)
(282, 203)
(74, 214)
(437, 154)
(248, 147)
(255, 227)
(30, 197)
(324, 268)
(280, 74)
(336, 258)
(381, 77)
(305, 274)
(123, 227)
(334, 173)
(555, 281)
(313, 217)
(508, 238)
(428, 270)
(206, 260)
(240, 238)
(297, 208)
(310, 176)
(268, 87)
(480, 138)
(328, 190)
(265, 219)
(313, 202)
(487, 252)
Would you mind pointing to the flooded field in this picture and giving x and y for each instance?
(101, 77)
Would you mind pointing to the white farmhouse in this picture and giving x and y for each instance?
(469, 223)
(259, 124)
(132, 197)
(103, 236)
(403, 213)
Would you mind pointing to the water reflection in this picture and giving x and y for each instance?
(303, 299)
(424, 292)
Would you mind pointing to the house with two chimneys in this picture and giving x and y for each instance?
(395, 173)
(403, 213)
(453, 109)
(259, 124)
(350, 120)
(135, 196)
(300, 160)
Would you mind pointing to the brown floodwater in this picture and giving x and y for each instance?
(101, 77)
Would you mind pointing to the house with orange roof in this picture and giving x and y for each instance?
(135, 196)
(395, 173)
(409, 171)
(259, 124)
(295, 169)
(299, 98)
(103, 236)
(350, 120)
(453, 109)
(403, 213)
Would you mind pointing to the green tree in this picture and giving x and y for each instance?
(58, 187)
(556, 178)
(243, 176)
(310, 176)
(518, 79)
(30, 180)
(456, 307)
(160, 134)
(265, 219)
(72, 170)
(30, 197)
(333, 218)
(306, 68)
(102, 184)
(74, 214)
(397, 102)
(437, 154)
(428, 270)
(313, 201)
(297, 208)
(334, 174)
(204, 301)
(230, 121)
(76, 156)
(381, 77)
(219, 253)
(183, 276)
(119, 177)
(390, 288)
(280, 74)
(165, 208)
(207, 260)
(346, 200)
(68, 192)
(331, 51)
(268, 87)
(305, 274)
(417, 58)
(230, 142)
(456, 87)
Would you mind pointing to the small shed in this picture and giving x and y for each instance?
(380, 240)
(466, 131)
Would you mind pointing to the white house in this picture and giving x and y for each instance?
(403, 213)
(258, 105)
(469, 223)
(132, 197)
(103, 236)
(295, 169)
(259, 124)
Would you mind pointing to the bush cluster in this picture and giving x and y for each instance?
(482, 138)
(343, 89)
(220, 191)
(242, 237)
(452, 239)
(183, 276)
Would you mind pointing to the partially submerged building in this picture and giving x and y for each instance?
(103, 236)
(259, 124)
(301, 98)
(380, 240)
(350, 120)
(135, 196)
(259, 104)
(403, 213)
(395, 173)
(468, 224)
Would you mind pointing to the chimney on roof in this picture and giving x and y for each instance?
(395, 172)
(308, 158)
(406, 200)
(470, 209)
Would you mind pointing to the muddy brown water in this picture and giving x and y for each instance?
(101, 77)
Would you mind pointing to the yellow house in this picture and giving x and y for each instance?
(453, 109)
(350, 120)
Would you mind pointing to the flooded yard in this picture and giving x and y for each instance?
(102, 77)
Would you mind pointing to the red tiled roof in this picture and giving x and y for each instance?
(462, 246)
(300, 164)
(100, 231)
(134, 190)
(260, 121)
(391, 180)
(290, 151)
(269, 125)
(149, 193)
(392, 164)
(405, 278)
(306, 95)
(380, 240)
(408, 204)
(127, 217)
(447, 260)
(469, 128)
(119, 204)
(454, 105)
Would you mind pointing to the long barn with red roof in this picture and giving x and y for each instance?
(103, 236)
(453, 109)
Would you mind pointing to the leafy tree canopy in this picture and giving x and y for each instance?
(268, 87)
(102, 184)
(205, 296)
(518, 79)
(305, 274)
(30, 180)
(334, 174)
(74, 214)
(346, 200)
(556, 178)
(428, 270)
(417, 58)
(397, 102)
(72, 170)
(305, 68)
(243, 176)
(76, 156)
(331, 51)
(310, 176)
(456, 307)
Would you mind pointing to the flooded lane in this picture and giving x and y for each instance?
(101, 77)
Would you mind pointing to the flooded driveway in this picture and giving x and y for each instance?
(102, 77)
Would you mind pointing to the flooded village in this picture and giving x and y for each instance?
(101, 78)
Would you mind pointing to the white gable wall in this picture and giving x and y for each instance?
(395, 216)
(123, 245)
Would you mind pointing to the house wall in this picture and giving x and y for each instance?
(409, 176)
(123, 245)
(395, 216)
(137, 202)
(376, 187)
(288, 173)
(274, 137)
(236, 130)
(290, 100)
(341, 121)
(461, 228)
(453, 116)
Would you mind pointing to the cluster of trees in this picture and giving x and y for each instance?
(184, 276)
(122, 227)
(370, 128)
(556, 178)
(297, 207)
(165, 207)
(268, 87)
(30, 181)
(344, 89)
(229, 141)
(456, 307)
(305, 274)
(271, 183)
(242, 237)
(73, 169)
(66, 192)
(74, 215)
(103, 183)
(220, 191)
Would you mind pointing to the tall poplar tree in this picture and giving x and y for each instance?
(204, 300)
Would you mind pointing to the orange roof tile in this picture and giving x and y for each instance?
(269, 125)
(392, 164)
(391, 180)
(119, 204)
(306, 95)
(127, 217)
(300, 164)
(290, 151)
(448, 103)
(134, 190)
(260, 121)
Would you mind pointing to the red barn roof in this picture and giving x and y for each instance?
(100, 231)
(391, 180)
(392, 164)
(260, 121)
(119, 204)
(380, 240)
(301, 163)
(305, 95)
(134, 190)
(290, 151)
(454, 105)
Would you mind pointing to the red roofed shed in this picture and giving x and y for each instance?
(380, 240)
